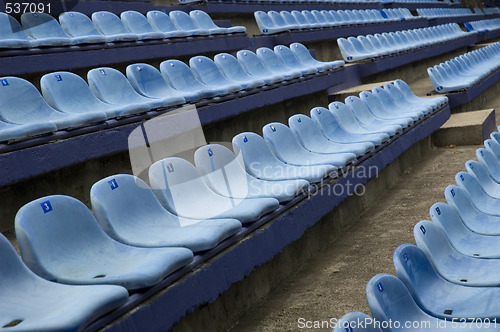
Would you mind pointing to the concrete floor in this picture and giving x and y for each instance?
(333, 283)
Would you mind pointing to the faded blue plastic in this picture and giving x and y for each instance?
(261, 162)
(481, 173)
(302, 53)
(233, 69)
(356, 322)
(128, 211)
(21, 103)
(12, 34)
(275, 64)
(60, 240)
(253, 65)
(363, 114)
(185, 23)
(112, 27)
(138, 24)
(490, 162)
(160, 21)
(204, 21)
(46, 30)
(181, 190)
(290, 60)
(207, 72)
(36, 302)
(224, 173)
(480, 199)
(76, 24)
(9, 131)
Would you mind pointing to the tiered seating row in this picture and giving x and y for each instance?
(450, 276)
(154, 231)
(444, 12)
(378, 45)
(74, 28)
(483, 25)
(68, 102)
(273, 22)
(466, 70)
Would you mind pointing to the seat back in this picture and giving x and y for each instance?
(282, 140)
(493, 146)
(121, 202)
(255, 152)
(55, 229)
(180, 76)
(359, 108)
(264, 22)
(11, 29)
(302, 53)
(136, 22)
(111, 86)
(252, 64)
(77, 24)
(394, 92)
(182, 20)
(300, 17)
(373, 102)
(304, 128)
(21, 102)
(326, 121)
(231, 67)
(344, 115)
(68, 92)
(385, 98)
(289, 18)
(270, 59)
(287, 56)
(468, 183)
(14, 272)
(480, 172)
(147, 80)
(489, 160)
(431, 238)
(207, 71)
(160, 21)
(202, 19)
(448, 218)
(277, 18)
(42, 25)
(108, 23)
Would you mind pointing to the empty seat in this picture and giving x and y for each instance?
(367, 118)
(181, 190)
(180, 76)
(480, 199)
(76, 24)
(112, 87)
(451, 264)
(356, 322)
(302, 53)
(160, 21)
(184, 22)
(21, 103)
(60, 240)
(310, 136)
(128, 211)
(267, 25)
(252, 64)
(224, 173)
(69, 93)
(261, 162)
(435, 102)
(30, 303)
(482, 174)
(138, 24)
(47, 31)
(398, 107)
(330, 124)
(379, 104)
(490, 162)
(12, 34)
(462, 238)
(232, 68)
(437, 296)
(274, 63)
(290, 60)
(204, 21)
(112, 27)
(287, 148)
(207, 72)
(9, 131)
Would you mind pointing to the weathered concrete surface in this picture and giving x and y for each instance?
(467, 128)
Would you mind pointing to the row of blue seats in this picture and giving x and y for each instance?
(377, 45)
(274, 22)
(68, 102)
(74, 28)
(465, 70)
(483, 25)
(362, 2)
(451, 274)
(445, 12)
(137, 236)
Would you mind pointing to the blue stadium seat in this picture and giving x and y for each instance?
(46, 30)
(490, 162)
(261, 162)
(410, 96)
(184, 22)
(477, 221)
(462, 238)
(267, 25)
(356, 322)
(204, 21)
(275, 64)
(76, 25)
(313, 20)
(382, 105)
(392, 95)
(281, 22)
(232, 68)
(160, 21)
(492, 145)
(254, 66)
(302, 20)
(69, 93)
(181, 190)
(207, 72)
(10, 132)
(149, 82)
(351, 52)
(481, 173)
(138, 24)
(290, 60)
(30, 303)
(112, 87)
(180, 77)
(128, 211)
(112, 27)
(480, 199)
(437, 296)
(12, 34)
(61, 241)
(287, 148)
(224, 174)
(310, 136)
(451, 264)
(302, 53)
(330, 123)
(292, 21)
(21, 103)
(363, 114)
